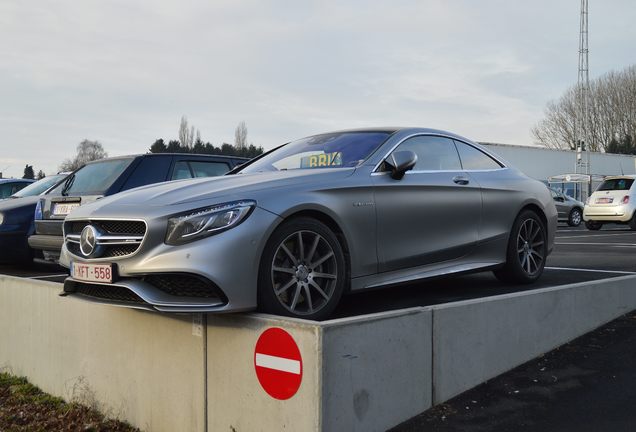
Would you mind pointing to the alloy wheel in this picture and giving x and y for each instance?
(531, 246)
(304, 272)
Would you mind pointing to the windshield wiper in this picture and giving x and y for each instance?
(67, 184)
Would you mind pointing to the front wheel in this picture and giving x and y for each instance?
(594, 226)
(302, 271)
(527, 250)
(575, 217)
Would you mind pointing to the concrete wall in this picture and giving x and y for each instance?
(236, 400)
(479, 339)
(367, 373)
(377, 370)
(141, 367)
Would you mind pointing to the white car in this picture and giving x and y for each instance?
(614, 201)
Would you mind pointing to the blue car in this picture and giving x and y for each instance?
(16, 219)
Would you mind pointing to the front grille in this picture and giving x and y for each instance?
(121, 228)
(114, 251)
(114, 227)
(107, 292)
(75, 227)
(184, 285)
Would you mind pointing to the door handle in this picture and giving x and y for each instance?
(461, 180)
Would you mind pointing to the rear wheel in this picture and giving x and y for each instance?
(527, 250)
(302, 272)
(575, 217)
(632, 222)
(592, 225)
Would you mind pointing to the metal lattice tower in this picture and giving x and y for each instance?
(583, 95)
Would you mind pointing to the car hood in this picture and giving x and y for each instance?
(211, 190)
(16, 203)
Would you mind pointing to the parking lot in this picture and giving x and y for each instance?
(579, 255)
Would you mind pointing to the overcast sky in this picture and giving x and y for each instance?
(124, 72)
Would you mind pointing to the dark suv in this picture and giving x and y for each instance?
(107, 177)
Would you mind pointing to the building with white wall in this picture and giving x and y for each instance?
(542, 163)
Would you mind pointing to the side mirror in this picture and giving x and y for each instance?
(559, 199)
(400, 162)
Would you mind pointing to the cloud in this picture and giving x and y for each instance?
(124, 72)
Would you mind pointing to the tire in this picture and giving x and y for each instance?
(632, 222)
(593, 226)
(302, 271)
(575, 217)
(526, 251)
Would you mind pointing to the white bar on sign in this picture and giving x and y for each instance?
(278, 363)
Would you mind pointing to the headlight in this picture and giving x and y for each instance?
(208, 221)
(38, 211)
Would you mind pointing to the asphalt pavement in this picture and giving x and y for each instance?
(587, 385)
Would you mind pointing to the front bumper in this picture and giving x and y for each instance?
(142, 294)
(229, 261)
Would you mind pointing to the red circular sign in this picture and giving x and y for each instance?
(278, 364)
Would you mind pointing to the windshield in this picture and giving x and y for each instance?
(94, 178)
(616, 184)
(333, 150)
(39, 186)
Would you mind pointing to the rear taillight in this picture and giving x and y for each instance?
(625, 200)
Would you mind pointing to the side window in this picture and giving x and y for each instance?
(473, 159)
(150, 170)
(17, 186)
(433, 153)
(5, 190)
(209, 169)
(181, 171)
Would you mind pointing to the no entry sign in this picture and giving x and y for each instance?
(278, 364)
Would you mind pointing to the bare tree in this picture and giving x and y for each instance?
(186, 136)
(86, 151)
(612, 113)
(240, 136)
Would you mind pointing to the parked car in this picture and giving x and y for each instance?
(614, 201)
(12, 185)
(105, 177)
(568, 209)
(294, 229)
(16, 219)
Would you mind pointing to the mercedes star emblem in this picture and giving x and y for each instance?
(88, 240)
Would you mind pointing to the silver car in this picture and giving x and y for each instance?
(569, 210)
(295, 229)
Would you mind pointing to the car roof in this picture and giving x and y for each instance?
(198, 155)
(410, 129)
(17, 180)
(614, 177)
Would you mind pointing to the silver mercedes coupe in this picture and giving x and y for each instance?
(293, 230)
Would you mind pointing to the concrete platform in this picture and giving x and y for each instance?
(367, 373)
